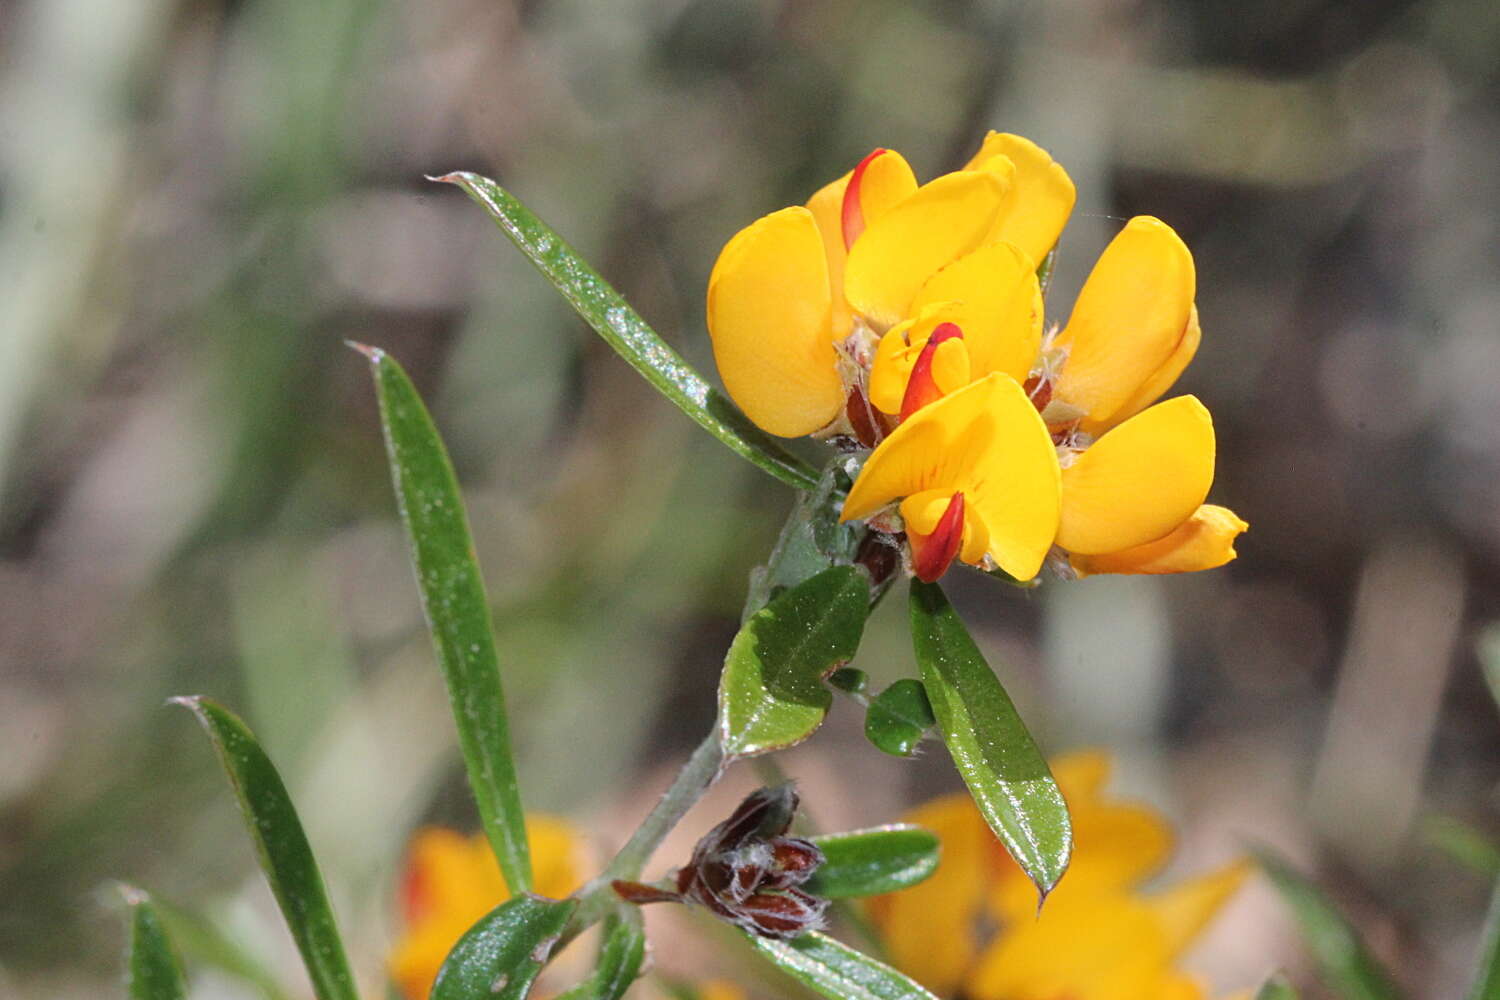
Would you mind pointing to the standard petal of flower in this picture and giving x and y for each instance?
(987, 441)
(1160, 381)
(769, 318)
(1203, 541)
(1140, 481)
(881, 182)
(1001, 307)
(931, 931)
(1184, 910)
(1040, 200)
(945, 219)
(1129, 320)
(825, 206)
(1085, 947)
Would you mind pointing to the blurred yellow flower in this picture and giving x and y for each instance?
(451, 880)
(797, 300)
(1097, 937)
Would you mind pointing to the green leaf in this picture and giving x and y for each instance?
(621, 953)
(1276, 988)
(771, 694)
(285, 855)
(622, 328)
(154, 972)
(1006, 773)
(457, 609)
(837, 971)
(1486, 984)
(1348, 967)
(899, 717)
(1463, 843)
(850, 680)
(500, 956)
(869, 862)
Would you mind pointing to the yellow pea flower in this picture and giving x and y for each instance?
(797, 300)
(1096, 938)
(451, 880)
(1134, 475)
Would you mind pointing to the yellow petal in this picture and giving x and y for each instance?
(887, 181)
(987, 440)
(1203, 541)
(1184, 910)
(1081, 774)
(1000, 310)
(1140, 481)
(1160, 381)
(945, 219)
(769, 318)
(931, 931)
(826, 206)
(1040, 199)
(1086, 947)
(1128, 321)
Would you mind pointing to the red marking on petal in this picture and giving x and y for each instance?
(852, 215)
(1039, 391)
(415, 895)
(933, 554)
(921, 387)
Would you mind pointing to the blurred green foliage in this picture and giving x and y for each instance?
(200, 201)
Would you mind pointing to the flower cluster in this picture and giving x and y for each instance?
(908, 321)
(1097, 938)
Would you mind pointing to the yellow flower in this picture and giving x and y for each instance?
(1095, 938)
(1134, 475)
(797, 299)
(451, 880)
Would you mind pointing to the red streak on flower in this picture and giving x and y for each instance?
(932, 554)
(415, 894)
(853, 213)
(921, 387)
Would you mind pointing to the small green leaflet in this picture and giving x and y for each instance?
(899, 717)
(869, 862)
(500, 956)
(837, 971)
(153, 971)
(771, 694)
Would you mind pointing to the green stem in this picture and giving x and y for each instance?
(701, 770)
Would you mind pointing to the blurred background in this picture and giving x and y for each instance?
(200, 199)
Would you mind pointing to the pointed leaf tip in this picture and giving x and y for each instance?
(1005, 771)
(375, 354)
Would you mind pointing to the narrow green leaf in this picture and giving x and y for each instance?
(1464, 844)
(621, 952)
(1006, 773)
(771, 694)
(458, 612)
(1348, 967)
(154, 972)
(285, 856)
(837, 971)
(622, 328)
(500, 956)
(869, 862)
(899, 717)
(1276, 988)
(1486, 984)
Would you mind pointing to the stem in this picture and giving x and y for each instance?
(701, 770)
